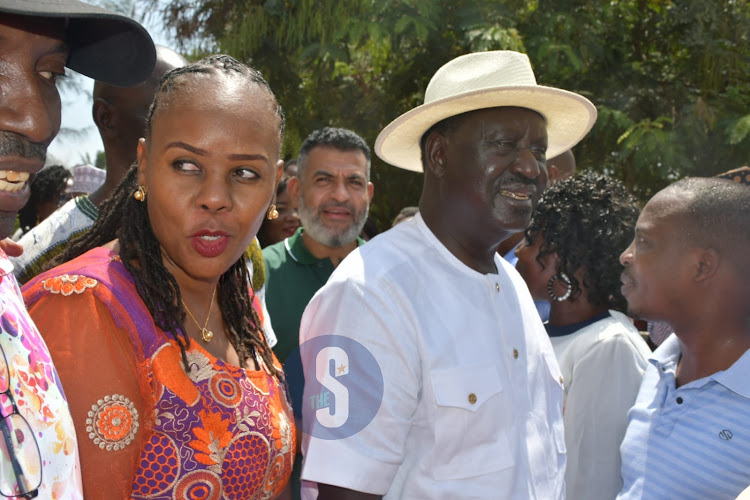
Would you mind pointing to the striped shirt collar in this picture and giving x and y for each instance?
(735, 378)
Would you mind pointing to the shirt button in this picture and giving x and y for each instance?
(515, 353)
(497, 287)
(679, 401)
(472, 398)
(561, 379)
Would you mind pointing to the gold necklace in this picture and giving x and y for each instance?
(206, 334)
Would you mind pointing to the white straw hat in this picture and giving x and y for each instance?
(486, 80)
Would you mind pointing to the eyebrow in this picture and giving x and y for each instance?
(203, 152)
(326, 173)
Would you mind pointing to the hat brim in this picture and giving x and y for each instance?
(569, 118)
(104, 45)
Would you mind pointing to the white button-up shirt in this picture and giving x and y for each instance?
(472, 403)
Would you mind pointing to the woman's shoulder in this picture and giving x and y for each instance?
(99, 268)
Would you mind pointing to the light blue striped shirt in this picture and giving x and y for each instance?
(691, 442)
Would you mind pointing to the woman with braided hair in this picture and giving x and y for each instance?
(153, 325)
(570, 256)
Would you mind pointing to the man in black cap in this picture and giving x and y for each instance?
(38, 39)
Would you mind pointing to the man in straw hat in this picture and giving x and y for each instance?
(38, 38)
(472, 394)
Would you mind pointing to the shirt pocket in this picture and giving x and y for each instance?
(470, 439)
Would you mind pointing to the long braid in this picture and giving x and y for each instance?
(106, 224)
(125, 218)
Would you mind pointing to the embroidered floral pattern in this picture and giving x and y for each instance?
(213, 438)
(68, 284)
(235, 441)
(112, 422)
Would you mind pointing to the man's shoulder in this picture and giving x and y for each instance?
(275, 254)
(48, 238)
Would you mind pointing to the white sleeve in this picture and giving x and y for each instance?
(378, 317)
(604, 385)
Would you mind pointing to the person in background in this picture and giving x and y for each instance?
(471, 402)
(406, 213)
(570, 256)
(86, 180)
(332, 191)
(687, 266)
(290, 168)
(47, 189)
(286, 224)
(120, 115)
(37, 41)
(179, 394)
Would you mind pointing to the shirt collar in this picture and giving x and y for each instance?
(734, 378)
(295, 247)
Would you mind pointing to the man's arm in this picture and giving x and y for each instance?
(328, 492)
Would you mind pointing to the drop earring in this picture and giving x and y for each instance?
(140, 193)
(272, 214)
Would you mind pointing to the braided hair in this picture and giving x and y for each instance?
(587, 220)
(124, 218)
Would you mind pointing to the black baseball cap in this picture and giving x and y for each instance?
(104, 45)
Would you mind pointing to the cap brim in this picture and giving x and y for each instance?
(104, 45)
(569, 118)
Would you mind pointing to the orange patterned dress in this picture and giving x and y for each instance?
(146, 428)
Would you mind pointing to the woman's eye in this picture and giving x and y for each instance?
(185, 166)
(246, 173)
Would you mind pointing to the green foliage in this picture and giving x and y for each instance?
(101, 160)
(670, 78)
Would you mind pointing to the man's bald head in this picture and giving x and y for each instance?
(120, 112)
(713, 214)
(561, 166)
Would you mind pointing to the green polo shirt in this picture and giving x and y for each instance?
(293, 275)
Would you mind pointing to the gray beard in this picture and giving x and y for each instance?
(329, 237)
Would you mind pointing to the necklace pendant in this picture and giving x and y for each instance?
(207, 335)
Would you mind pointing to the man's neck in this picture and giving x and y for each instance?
(477, 254)
(115, 173)
(708, 351)
(321, 251)
(510, 243)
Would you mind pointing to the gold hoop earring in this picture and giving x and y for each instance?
(140, 194)
(272, 214)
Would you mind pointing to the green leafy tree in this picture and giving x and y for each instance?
(670, 78)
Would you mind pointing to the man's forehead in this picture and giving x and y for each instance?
(666, 207)
(507, 117)
(52, 29)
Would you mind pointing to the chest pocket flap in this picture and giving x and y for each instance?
(466, 387)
